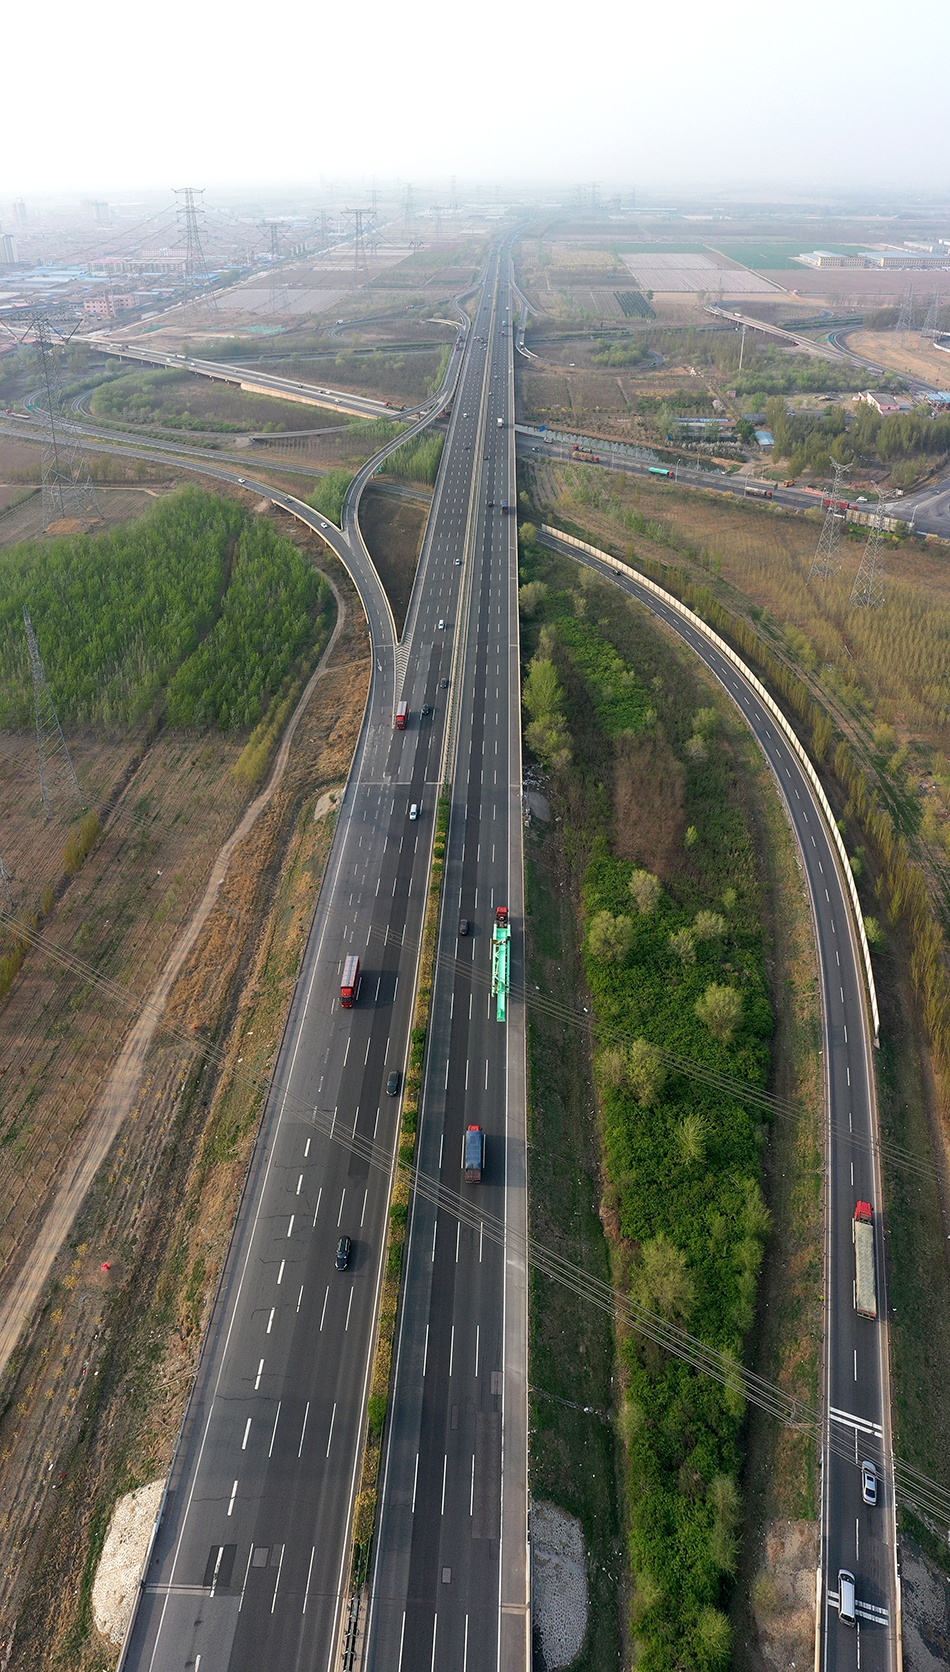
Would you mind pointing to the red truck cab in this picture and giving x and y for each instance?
(350, 981)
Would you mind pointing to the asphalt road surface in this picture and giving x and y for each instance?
(250, 1562)
(449, 1589)
(855, 1537)
(929, 511)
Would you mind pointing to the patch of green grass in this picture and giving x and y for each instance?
(573, 1449)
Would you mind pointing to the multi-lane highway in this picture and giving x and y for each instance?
(250, 1563)
(854, 1536)
(450, 1582)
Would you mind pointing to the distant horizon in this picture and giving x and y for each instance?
(832, 100)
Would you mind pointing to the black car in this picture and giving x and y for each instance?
(443, 684)
(344, 1249)
(426, 708)
(392, 1084)
(463, 925)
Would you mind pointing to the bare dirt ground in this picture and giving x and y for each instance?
(394, 529)
(116, 505)
(93, 1397)
(915, 358)
(926, 1607)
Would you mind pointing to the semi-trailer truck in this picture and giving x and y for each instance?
(474, 1155)
(350, 981)
(500, 961)
(865, 1276)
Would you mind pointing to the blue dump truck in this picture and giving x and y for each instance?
(474, 1155)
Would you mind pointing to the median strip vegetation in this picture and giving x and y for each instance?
(364, 1520)
(643, 774)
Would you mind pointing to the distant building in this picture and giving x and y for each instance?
(19, 212)
(886, 405)
(940, 397)
(902, 259)
(829, 258)
(765, 438)
(8, 250)
(914, 259)
(108, 303)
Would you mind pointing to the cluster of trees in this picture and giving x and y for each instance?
(142, 398)
(773, 371)
(270, 613)
(329, 493)
(418, 460)
(546, 732)
(194, 597)
(815, 440)
(627, 351)
(676, 968)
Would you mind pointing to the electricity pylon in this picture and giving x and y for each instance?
(827, 559)
(56, 766)
(868, 588)
(197, 277)
(67, 486)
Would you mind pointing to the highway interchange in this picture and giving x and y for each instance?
(250, 1563)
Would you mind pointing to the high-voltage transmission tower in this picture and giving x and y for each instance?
(931, 326)
(355, 218)
(827, 559)
(197, 277)
(57, 772)
(273, 232)
(67, 486)
(868, 588)
(408, 209)
(905, 318)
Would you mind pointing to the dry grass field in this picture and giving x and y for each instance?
(95, 1393)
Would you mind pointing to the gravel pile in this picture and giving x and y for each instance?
(559, 1585)
(116, 1585)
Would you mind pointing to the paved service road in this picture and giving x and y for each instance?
(857, 1392)
(250, 1563)
(449, 1589)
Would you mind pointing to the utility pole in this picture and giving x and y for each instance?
(827, 559)
(409, 209)
(742, 348)
(7, 881)
(197, 278)
(55, 761)
(868, 588)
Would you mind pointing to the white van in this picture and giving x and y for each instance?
(846, 1612)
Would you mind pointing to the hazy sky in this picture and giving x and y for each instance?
(705, 93)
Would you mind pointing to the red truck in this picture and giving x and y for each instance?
(402, 715)
(350, 981)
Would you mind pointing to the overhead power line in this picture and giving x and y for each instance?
(915, 1489)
